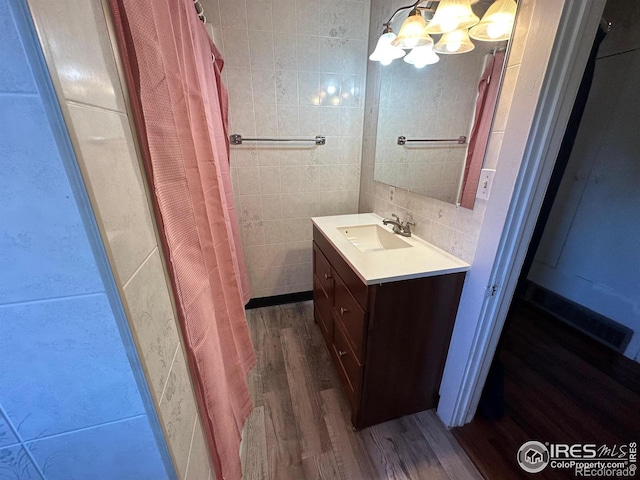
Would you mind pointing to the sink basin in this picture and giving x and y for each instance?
(372, 238)
(379, 256)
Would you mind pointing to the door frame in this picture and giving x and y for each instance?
(502, 245)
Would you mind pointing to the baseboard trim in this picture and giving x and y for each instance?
(279, 300)
(599, 327)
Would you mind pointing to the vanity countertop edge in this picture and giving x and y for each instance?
(421, 260)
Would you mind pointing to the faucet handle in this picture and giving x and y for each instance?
(407, 227)
(396, 217)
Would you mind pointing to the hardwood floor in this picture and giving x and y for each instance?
(560, 386)
(300, 427)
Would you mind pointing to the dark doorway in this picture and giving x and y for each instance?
(549, 381)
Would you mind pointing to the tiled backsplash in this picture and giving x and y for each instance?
(293, 69)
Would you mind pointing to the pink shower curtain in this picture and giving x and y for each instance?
(180, 109)
(479, 137)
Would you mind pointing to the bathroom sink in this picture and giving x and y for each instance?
(372, 238)
(379, 255)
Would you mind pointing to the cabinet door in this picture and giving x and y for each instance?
(351, 316)
(323, 294)
(322, 269)
(348, 367)
(322, 311)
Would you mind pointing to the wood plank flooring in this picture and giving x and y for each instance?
(300, 427)
(560, 386)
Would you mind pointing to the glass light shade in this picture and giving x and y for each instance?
(412, 33)
(497, 23)
(454, 42)
(420, 57)
(452, 15)
(385, 52)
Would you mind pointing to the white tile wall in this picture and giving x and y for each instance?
(293, 68)
(76, 42)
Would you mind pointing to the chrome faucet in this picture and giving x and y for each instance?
(399, 227)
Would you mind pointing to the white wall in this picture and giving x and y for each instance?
(589, 251)
(293, 68)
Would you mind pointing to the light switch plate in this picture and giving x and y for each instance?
(485, 183)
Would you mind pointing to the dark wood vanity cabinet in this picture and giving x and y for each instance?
(388, 341)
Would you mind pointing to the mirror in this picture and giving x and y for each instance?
(432, 108)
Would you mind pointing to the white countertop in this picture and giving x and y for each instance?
(421, 260)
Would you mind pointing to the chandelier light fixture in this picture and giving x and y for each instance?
(452, 15)
(412, 33)
(454, 42)
(420, 57)
(385, 51)
(497, 23)
(454, 20)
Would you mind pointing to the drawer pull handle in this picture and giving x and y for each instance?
(327, 276)
(342, 353)
(343, 310)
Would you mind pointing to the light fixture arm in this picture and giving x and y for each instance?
(413, 6)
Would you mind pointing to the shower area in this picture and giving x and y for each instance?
(124, 341)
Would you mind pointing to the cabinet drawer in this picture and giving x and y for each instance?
(352, 317)
(322, 269)
(322, 311)
(339, 266)
(348, 366)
